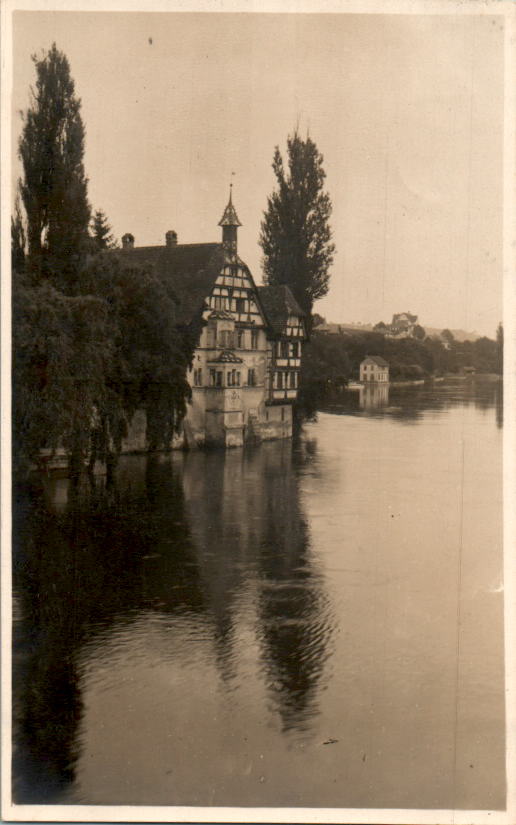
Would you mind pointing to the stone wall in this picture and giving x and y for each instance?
(221, 422)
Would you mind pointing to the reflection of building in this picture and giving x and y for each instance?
(253, 553)
(372, 396)
(374, 368)
(245, 371)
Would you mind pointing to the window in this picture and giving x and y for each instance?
(251, 377)
(233, 378)
(254, 339)
(284, 349)
(280, 380)
(240, 338)
(295, 349)
(197, 378)
(212, 378)
(226, 338)
(292, 380)
(240, 304)
(219, 379)
(221, 302)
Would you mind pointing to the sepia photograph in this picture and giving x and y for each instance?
(254, 300)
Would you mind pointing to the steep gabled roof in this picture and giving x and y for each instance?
(190, 269)
(278, 303)
(376, 359)
(398, 316)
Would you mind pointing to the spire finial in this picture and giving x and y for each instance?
(230, 217)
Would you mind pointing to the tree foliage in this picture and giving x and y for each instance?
(93, 340)
(61, 349)
(18, 240)
(295, 232)
(329, 361)
(54, 185)
(499, 349)
(101, 232)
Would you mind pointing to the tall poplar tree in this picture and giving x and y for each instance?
(295, 232)
(94, 340)
(61, 336)
(54, 185)
(499, 349)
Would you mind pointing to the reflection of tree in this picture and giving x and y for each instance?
(46, 705)
(410, 403)
(75, 573)
(247, 522)
(499, 404)
(292, 612)
(217, 535)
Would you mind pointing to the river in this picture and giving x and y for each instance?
(316, 622)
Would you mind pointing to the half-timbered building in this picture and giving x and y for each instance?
(245, 370)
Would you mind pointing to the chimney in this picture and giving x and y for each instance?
(171, 238)
(128, 241)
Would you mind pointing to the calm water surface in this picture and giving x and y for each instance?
(316, 623)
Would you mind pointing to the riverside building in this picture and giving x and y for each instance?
(246, 365)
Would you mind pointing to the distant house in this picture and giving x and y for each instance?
(328, 329)
(402, 325)
(245, 371)
(342, 329)
(374, 368)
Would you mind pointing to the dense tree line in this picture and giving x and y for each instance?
(92, 340)
(330, 361)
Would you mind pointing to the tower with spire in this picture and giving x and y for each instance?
(244, 374)
(230, 223)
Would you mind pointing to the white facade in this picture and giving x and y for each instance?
(373, 369)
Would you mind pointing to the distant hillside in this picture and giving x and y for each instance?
(338, 329)
(334, 328)
(459, 334)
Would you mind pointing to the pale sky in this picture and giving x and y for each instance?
(406, 109)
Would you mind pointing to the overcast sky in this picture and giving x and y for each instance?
(406, 109)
